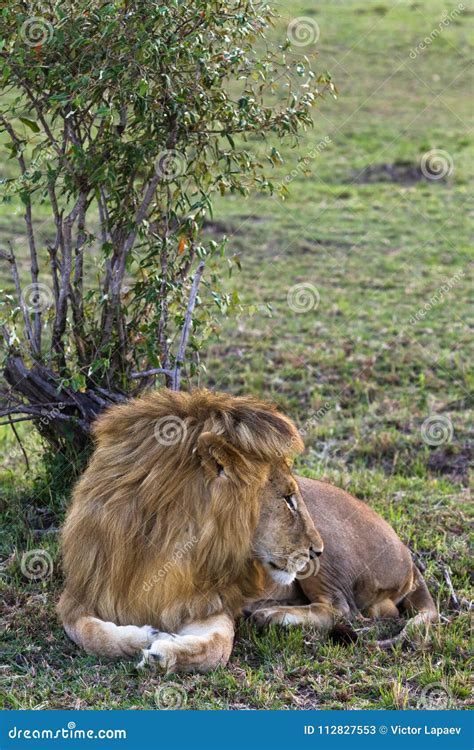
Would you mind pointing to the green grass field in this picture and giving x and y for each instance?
(375, 344)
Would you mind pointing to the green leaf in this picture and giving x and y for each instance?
(176, 83)
(31, 124)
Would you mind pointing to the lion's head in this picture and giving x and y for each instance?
(285, 539)
(182, 502)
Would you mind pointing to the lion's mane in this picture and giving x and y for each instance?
(151, 537)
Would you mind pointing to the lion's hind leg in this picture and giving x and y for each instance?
(384, 610)
(196, 647)
(418, 603)
(107, 639)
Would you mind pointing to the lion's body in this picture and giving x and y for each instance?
(188, 505)
(155, 537)
(364, 561)
(365, 567)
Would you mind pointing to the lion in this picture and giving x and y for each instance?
(167, 534)
(188, 513)
(365, 569)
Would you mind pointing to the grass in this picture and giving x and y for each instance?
(361, 370)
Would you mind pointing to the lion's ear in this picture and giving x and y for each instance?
(219, 457)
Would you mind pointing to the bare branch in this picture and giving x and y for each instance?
(454, 599)
(60, 151)
(61, 310)
(150, 373)
(58, 241)
(77, 301)
(163, 321)
(17, 437)
(106, 318)
(10, 421)
(184, 270)
(141, 213)
(21, 301)
(36, 338)
(37, 415)
(187, 325)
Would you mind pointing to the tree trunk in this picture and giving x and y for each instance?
(63, 416)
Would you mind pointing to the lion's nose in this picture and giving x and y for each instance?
(313, 552)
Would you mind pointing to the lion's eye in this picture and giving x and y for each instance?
(290, 500)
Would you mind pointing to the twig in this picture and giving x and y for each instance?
(77, 289)
(30, 233)
(31, 414)
(186, 326)
(59, 325)
(11, 423)
(449, 584)
(149, 373)
(58, 241)
(21, 301)
(125, 245)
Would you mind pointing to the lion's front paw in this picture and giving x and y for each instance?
(160, 655)
(149, 634)
(273, 616)
(133, 638)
